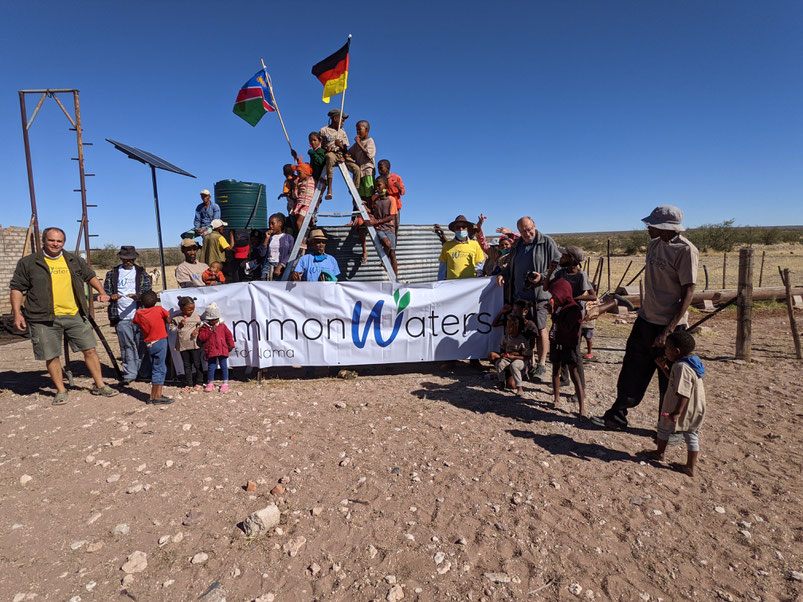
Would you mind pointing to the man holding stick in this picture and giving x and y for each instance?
(669, 277)
(52, 282)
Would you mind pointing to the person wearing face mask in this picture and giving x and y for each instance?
(52, 283)
(461, 257)
(530, 258)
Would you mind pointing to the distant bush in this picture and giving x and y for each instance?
(718, 237)
(106, 258)
(635, 242)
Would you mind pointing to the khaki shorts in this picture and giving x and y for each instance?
(47, 337)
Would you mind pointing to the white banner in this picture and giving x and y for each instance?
(352, 323)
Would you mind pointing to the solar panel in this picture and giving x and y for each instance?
(148, 158)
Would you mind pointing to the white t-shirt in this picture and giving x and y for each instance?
(126, 285)
(273, 248)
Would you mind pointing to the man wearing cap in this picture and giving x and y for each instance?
(316, 265)
(52, 282)
(669, 278)
(335, 143)
(189, 273)
(124, 284)
(215, 243)
(461, 257)
(530, 257)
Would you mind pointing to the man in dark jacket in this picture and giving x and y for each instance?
(52, 282)
(530, 258)
(124, 284)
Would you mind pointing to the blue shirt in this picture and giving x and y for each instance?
(205, 215)
(312, 269)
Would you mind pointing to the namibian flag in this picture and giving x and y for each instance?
(333, 72)
(254, 99)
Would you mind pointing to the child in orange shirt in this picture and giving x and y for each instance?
(395, 189)
(214, 275)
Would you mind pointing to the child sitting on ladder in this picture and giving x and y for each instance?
(336, 143)
(363, 152)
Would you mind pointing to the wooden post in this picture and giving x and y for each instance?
(622, 279)
(791, 310)
(641, 292)
(724, 268)
(744, 306)
(609, 264)
(761, 271)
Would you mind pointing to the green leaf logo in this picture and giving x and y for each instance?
(396, 297)
(404, 301)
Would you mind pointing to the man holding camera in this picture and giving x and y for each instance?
(523, 276)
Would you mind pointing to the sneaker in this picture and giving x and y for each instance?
(60, 399)
(104, 391)
(163, 400)
(224, 388)
(209, 388)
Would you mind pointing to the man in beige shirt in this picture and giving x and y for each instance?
(669, 278)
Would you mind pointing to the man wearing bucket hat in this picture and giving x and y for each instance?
(124, 284)
(316, 265)
(463, 256)
(335, 143)
(669, 278)
(189, 273)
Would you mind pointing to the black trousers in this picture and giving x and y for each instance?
(192, 359)
(638, 368)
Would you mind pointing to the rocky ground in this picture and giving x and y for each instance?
(415, 482)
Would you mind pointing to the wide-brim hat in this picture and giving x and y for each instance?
(217, 223)
(128, 252)
(666, 217)
(317, 234)
(460, 219)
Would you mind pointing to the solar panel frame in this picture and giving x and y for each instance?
(148, 158)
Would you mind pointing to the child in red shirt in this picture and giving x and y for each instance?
(218, 341)
(153, 320)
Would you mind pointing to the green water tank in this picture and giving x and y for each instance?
(242, 204)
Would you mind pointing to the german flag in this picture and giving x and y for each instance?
(333, 72)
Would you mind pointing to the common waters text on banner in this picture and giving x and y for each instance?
(352, 323)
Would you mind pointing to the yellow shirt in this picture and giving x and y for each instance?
(461, 258)
(222, 243)
(63, 296)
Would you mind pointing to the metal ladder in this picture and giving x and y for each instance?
(319, 188)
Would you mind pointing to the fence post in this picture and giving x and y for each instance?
(609, 264)
(744, 306)
(724, 267)
(761, 271)
(791, 310)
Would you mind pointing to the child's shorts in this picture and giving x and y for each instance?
(388, 236)
(692, 438)
(366, 188)
(562, 355)
(300, 209)
(587, 333)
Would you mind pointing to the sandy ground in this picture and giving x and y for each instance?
(414, 481)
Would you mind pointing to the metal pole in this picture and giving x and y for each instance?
(159, 228)
(34, 214)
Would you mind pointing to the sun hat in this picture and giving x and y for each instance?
(460, 219)
(128, 252)
(665, 217)
(212, 312)
(188, 242)
(205, 192)
(217, 223)
(317, 234)
(574, 252)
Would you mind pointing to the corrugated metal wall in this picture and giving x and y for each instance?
(417, 252)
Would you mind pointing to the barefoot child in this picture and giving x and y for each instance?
(187, 325)
(152, 320)
(305, 190)
(335, 144)
(218, 341)
(683, 407)
(567, 318)
(289, 188)
(363, 152)
(513, 352)
(317, 156)
(383, 222)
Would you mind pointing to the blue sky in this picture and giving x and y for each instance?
(583, 114)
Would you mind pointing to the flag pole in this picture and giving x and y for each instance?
(275, 104)
(343, 96)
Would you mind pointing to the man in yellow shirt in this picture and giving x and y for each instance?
(461, 257)
(52, 283)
